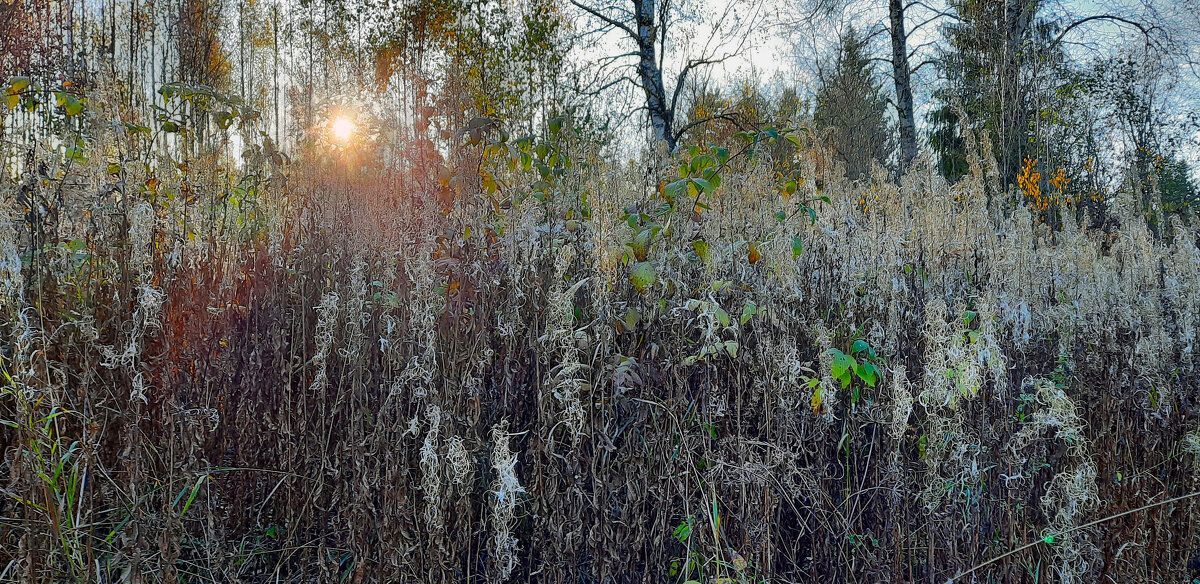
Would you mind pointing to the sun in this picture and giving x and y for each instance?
(342, 128)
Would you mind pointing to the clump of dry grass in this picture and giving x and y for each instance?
(464, 384)
(505, 496)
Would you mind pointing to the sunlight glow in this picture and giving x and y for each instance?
(342, 129)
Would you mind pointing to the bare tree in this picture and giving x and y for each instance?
(900, 54)
(902, 79)
(648, 24)
(1017, 21)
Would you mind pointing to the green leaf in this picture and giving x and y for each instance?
(68, 102)
(748, 311)
(702, 162)
(18, 84)
(844, 378)
(704, 186)
(860, 346)
(867, 372)
(192, 497)
(702, 250)
(731, 347)
(643, 275)
(797, 246)
(812, 214)
(969, 316)
(136, 129)
(556, 125)
(76, 153)
(722, 316)
(641, 244)
(632, 318)
(675, 189)
(841, 366)
(684, 530)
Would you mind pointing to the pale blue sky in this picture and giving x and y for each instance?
(791, 51)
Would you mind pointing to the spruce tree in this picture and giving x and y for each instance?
(995, 68)
(851, 107)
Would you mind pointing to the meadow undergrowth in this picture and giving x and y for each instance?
(549, 366)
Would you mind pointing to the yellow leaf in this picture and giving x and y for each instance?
(754, 255)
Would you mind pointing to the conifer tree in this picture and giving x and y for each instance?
(850, 105)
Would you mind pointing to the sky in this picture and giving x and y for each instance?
(786, 49)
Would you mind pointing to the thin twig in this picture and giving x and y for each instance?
(1073, 529)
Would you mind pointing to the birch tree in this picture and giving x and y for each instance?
(648, 29)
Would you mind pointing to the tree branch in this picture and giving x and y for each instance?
(596, 92)
(607, 19)
(922, 64)
(729, 117)
(917, 48)
(940, 15)
(1138, 25)
(681, 79)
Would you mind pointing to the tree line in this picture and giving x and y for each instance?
(1082, 102)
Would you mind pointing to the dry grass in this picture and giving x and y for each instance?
(331, 380)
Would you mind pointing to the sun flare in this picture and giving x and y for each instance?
(342, 128)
